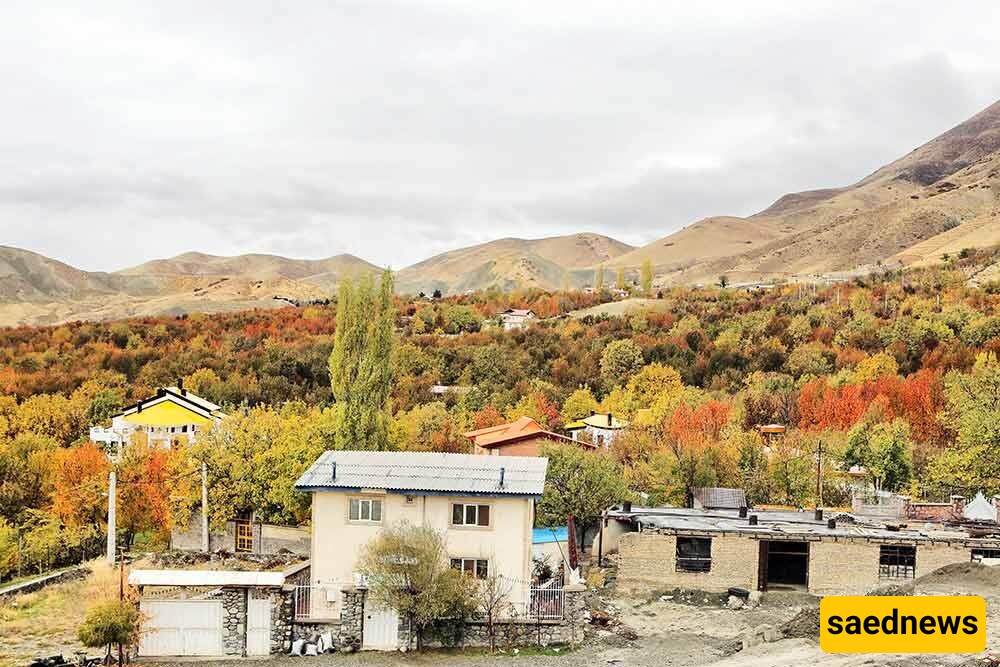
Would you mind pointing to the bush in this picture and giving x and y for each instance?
(111, 622)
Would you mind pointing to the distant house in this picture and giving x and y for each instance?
(601, 429)
(716, 498)
(442, 389)
(173, 414)
(550, 545)
(515, 318)
(522, 437)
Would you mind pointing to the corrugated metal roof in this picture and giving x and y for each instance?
(714, 497)
(776, 523)
(204, 578)
(426, 472)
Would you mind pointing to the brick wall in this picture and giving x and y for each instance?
(842, 567)
(648, 559)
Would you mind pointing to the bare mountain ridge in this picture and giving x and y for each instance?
(939, 198)
(951, 181)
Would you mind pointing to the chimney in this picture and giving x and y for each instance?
(958, 506)
(503, 472)
(609, 419)
(333, 471)
(627, 506)
(592, 413)
(743, 512)
(831, 524)
(180, 386)
(161, 392)
(138, 407)
(819, 514)
(753, 519)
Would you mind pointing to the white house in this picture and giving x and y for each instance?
(515, 318)
(601, 429)
(484, 506)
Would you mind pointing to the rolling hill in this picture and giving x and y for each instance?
(508, 263)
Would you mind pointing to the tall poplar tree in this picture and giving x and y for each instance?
(360, 372)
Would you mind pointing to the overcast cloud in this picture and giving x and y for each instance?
(395, 130)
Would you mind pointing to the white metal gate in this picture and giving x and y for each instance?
(381, 629)
(259, 627)
(181, 628)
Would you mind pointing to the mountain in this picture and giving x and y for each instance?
(37, 290)
(510, 262)
(942, 195)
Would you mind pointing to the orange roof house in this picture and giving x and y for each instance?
(523, 437)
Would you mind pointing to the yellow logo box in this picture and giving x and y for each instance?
(902, 624)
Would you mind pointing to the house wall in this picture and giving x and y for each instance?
(612, 536)
(526, 447)
(649, 559)
(337, 543)
(840, 566)
(267, 538)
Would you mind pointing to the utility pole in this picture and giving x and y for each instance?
(819, 475)
(112, 524)
(204, 507)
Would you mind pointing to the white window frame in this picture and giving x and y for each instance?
(363, 502)
(465, 514)
(469, 565)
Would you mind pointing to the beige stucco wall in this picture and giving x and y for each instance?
(338, 543)
(841, 567)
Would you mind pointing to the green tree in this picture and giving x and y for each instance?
(599, 278)
(108, 623)
(579, 404)
(408, 570)
(620, 360)
(360, 370)
(885, 450)
(579, 486)
(646, 276)
(620, 278)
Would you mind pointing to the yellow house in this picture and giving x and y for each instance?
(172, 415)
(483, 505)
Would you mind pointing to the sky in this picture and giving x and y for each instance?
(396, 130)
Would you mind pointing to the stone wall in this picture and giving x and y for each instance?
(515, 632)
(234, 621)
(347, 631)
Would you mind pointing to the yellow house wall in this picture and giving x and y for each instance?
(337, 543)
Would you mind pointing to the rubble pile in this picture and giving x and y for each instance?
(172, 560)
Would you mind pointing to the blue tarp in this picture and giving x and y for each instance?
(549, 535)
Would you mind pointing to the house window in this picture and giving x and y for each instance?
(694, 554)
(897, 562)
(979, 554)
(474, 567)
(365, 510)
(470, 515)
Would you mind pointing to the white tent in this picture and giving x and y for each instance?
(980, 509)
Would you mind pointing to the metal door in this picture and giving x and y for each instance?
(259, 627)
(381, 629)
(181, 628)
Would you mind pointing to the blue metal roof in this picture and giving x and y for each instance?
(549, 535)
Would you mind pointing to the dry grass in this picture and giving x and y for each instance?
(44, 622)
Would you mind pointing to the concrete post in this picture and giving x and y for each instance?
(112, 509)
(204, 508)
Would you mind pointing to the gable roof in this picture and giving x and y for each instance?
(712, 497)
(172, 406)
(520, 429)
(426, 473)
(599, 420)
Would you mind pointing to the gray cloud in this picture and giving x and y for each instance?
(393, 130)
